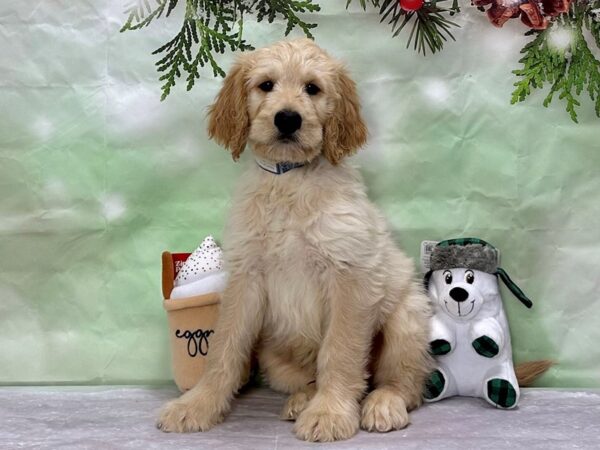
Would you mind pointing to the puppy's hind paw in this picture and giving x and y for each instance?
(295, 404)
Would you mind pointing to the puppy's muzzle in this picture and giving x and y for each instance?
(459, 294)
(287, 122)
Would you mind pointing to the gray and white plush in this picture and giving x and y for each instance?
(473, 256)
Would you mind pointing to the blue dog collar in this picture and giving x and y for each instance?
(278, 168)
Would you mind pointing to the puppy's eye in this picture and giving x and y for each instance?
(312, 89)
(469, 276)
(266, 86)
(448, 277)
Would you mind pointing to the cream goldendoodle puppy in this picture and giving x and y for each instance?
(315, 277)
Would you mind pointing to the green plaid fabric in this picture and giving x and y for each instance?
(464, 241)
(435, 385)
(510, 284)
(439, 347)
(485, 346)
(501, 393)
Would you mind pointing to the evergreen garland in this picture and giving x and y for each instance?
(569, 69)
(429, 26)
(211, 27)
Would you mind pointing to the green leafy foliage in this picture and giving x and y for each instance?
(270, 9)
(569, 69)
(141, 13)
(210, 27)
(429, 26)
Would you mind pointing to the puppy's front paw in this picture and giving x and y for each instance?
(326, 421)
(184, 415)
(383, 410)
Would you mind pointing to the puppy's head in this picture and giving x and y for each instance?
(290, 102)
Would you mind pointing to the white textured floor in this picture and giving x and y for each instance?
(123, 417)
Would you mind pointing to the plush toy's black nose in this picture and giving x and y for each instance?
(459, 294)
(288, 121)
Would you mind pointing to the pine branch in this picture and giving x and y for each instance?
(288, 10)
(430, 27)
(592, 21)
(210, 27)
(140, 14)
(363, 3)
(569, 70)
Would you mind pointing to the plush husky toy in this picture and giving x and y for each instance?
(469, 331)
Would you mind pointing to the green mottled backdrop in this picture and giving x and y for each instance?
(97, 177)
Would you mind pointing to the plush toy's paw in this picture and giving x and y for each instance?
(382, 411)
(485, 346)
(434, 387)
(183, 415)
(440, 347)
(295, 404)
(327, 419)
(501, 393)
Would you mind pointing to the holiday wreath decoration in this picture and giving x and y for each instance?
(559, 54)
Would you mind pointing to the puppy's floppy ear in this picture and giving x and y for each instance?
(345, 131)
(228, 121)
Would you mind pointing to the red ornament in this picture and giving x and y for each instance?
(411, 5)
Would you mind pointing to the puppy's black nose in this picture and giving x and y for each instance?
(459, 294)
(288, 121)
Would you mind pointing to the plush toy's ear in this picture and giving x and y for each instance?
(228, 122)
(345, 131)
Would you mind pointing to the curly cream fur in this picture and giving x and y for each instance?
(314, 272)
